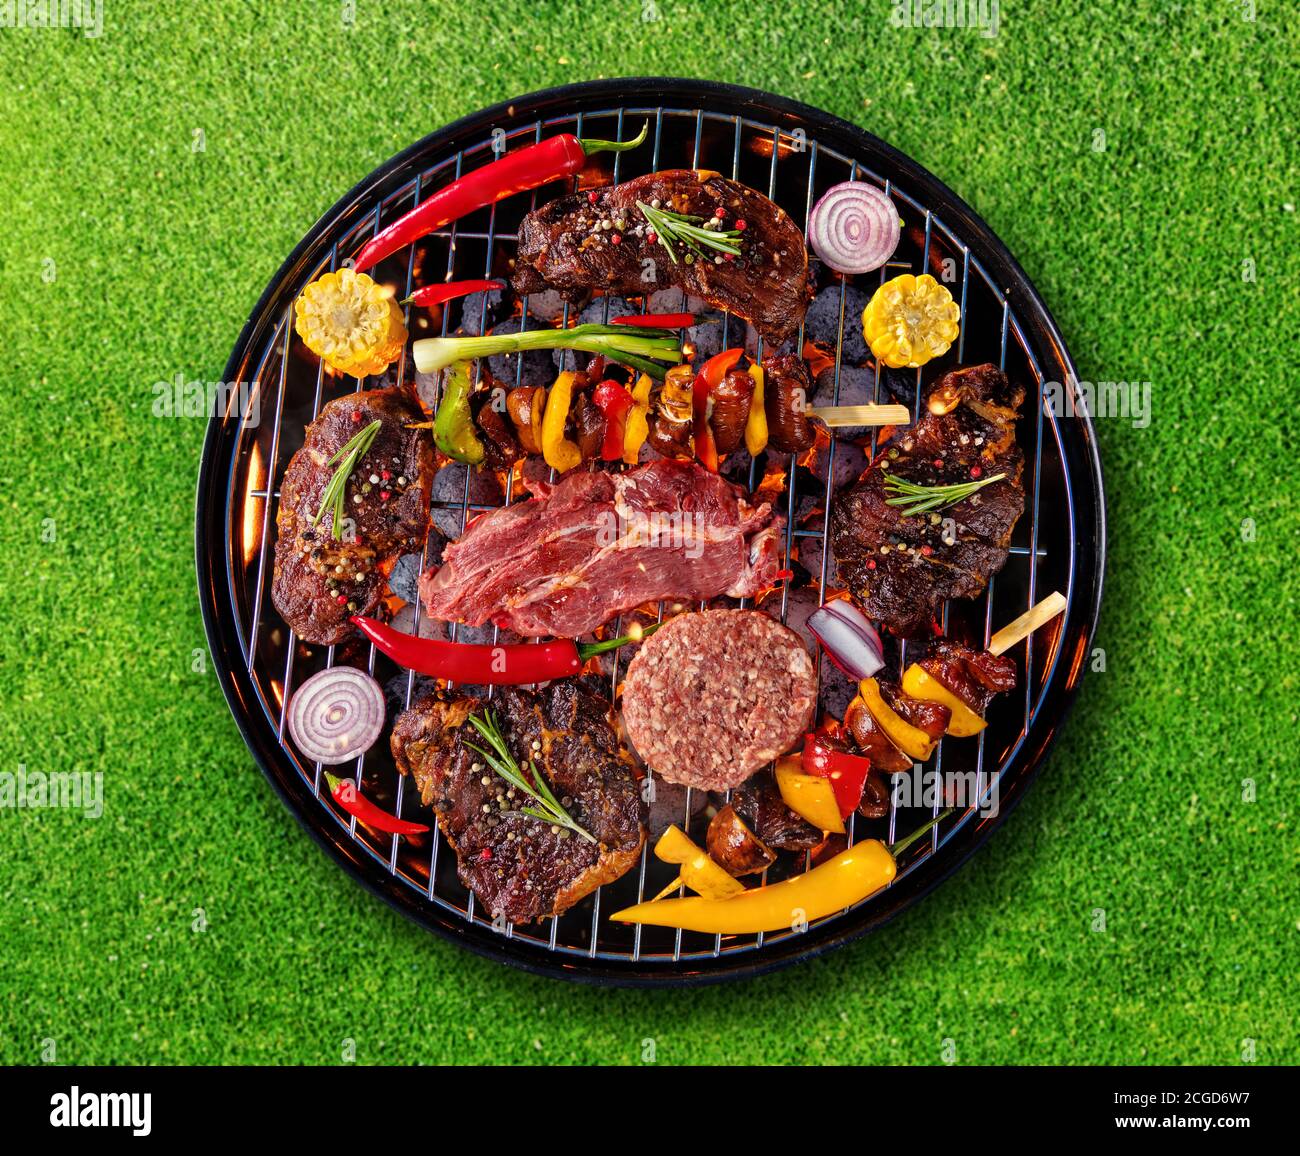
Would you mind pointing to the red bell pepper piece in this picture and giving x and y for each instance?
(614, 402)
(353, 802)
(431, 295)
(847, 772)
(516, 172)
(706, 381)
(657, 320)
(485, 665)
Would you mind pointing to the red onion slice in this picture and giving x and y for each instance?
(336, 715)
(849, 639)
(854, 228)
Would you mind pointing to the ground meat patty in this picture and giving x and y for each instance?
(711, 697)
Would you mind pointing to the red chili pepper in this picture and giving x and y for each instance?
(353, 802)
(515, 665)
(432, 295)
(657, 320)
(847, 773)
(706, 381)
(614, 402)
(516, 172)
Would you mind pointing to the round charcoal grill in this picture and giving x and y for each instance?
(793, 153)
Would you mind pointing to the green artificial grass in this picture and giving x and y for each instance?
(128, 254)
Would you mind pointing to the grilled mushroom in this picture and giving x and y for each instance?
(525, 405)
(875, 798)
(734, 847)
(872, 741)
(670, 432)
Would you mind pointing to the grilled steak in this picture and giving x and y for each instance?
(320, 580)
(565, 245)
(901, 569)
(515, 864)
(595, 544)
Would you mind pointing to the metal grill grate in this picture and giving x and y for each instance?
(793, 163)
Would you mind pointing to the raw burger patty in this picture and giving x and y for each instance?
(711, 697)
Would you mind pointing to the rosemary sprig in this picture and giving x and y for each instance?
(346, 458)
(548, 808)
(680, 228)
(921, 499)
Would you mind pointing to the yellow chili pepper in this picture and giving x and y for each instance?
(636, 427)
(919, 683)
(350, 322)
(811, 797)
(840, 882)
(910, 320)
(700, 873)
(756, 423)
(559, 452)
(910, 740)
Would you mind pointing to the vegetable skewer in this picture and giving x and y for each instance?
(879, 727)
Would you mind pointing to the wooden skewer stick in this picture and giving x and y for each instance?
(1027, 623)
(842, 415)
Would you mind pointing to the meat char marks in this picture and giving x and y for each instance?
(315, 586)
(515, 864)
(974, 676)
(564, 246)
(595, 544)
(902, 569)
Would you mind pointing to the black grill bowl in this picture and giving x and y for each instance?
(792, 152)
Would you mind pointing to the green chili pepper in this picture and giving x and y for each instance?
(453, 424)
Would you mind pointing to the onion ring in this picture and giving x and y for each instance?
(854, 228)
(336, 715)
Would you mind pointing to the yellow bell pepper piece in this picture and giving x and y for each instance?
(636, 426)
(919, 683)
(910, 320)
(909, 739)
(560, 453)
(700, 873)
(810, 797)
(756, 423)
(838, 883)
(350, 322)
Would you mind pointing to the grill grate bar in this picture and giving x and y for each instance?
(781, 144)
